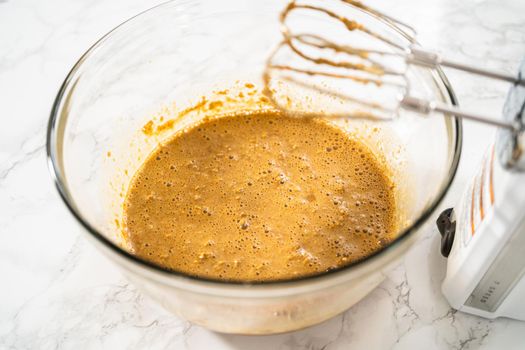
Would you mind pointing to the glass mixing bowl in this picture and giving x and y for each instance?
(177, 52)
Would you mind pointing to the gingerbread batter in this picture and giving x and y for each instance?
(259, 196)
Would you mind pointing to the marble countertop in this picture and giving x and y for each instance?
(57, 291)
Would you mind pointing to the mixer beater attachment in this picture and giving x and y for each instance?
(358, 71)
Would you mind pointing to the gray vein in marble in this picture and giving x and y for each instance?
(26, 156)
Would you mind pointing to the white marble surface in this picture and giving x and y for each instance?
(57, 291)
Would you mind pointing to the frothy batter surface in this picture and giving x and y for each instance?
(260, 196)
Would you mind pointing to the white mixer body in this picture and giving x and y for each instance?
(486, 266)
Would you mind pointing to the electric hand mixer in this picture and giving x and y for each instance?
(366, 72)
